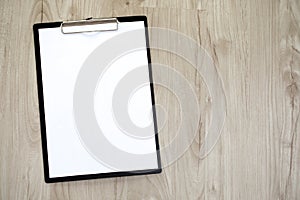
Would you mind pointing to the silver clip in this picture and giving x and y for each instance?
(89, 25)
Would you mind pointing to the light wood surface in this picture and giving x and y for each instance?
(256, 48)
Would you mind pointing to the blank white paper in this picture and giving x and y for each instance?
(62, 56)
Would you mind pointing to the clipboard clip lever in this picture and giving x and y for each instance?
(89, 25)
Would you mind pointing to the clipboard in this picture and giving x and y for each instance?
(65, 52)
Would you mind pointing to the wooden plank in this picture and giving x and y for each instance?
(288, 159)
(20, 148)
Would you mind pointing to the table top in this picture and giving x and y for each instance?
(255, 51)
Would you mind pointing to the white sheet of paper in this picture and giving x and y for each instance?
(62, 56)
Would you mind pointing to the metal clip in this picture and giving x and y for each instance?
(89, 25)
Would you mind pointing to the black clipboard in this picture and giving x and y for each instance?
(41, 96)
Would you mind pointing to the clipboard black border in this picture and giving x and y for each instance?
(38, 26)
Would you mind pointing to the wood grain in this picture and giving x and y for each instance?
(255, 46)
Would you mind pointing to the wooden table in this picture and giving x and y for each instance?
(255, 46)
